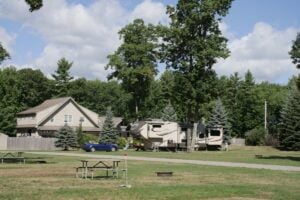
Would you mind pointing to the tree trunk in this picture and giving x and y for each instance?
(193, 139)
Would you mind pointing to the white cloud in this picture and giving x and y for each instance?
(7, 40)
(264, 52)
(151, 12)
(84, 35)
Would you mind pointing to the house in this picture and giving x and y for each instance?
(47, 118)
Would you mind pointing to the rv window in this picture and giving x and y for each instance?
(215, 133)
(201, 135)
(156, 126)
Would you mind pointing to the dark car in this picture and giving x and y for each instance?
(99, 147)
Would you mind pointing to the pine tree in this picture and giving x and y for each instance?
(290, 124)
(219, 117)
(109, 134)
(66, 138)
(169, 114)
(62, 77)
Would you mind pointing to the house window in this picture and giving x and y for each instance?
(68, 118)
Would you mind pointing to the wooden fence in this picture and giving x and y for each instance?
(30, 143)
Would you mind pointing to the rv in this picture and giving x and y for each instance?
(159, 135)
(212, 137)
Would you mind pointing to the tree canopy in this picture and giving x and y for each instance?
(192, 45)
(134, 62)
(290, 124)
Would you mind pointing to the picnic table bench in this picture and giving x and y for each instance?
(90, 166)
(13, 156)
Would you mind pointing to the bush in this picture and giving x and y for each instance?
(121, 142)
(255, 136)
(89, 138)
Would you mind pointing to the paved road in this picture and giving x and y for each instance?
(181, 161)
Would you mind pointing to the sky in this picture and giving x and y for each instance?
(259, 32)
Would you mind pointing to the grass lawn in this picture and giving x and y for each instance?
(55, 179)
(235, 154)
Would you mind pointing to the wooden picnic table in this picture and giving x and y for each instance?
(13, 156)
(89, 166)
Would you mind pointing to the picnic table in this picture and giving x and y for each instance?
(13, 156)
(90, 166)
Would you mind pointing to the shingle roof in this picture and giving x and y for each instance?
(46, 104)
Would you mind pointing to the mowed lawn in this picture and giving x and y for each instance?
(244, 154)
(55, 179)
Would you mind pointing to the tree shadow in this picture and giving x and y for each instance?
(293, 158)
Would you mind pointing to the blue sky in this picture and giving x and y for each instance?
(260, 34)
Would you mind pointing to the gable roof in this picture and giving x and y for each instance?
(60, 103)
(46, 104)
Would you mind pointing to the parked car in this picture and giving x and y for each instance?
(99, 147)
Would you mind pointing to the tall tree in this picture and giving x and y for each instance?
(295, 56)
(62, 77)
(34, 87)
(109, 134)
(134, 62)
(193, 44)
(290, 125)
(250, 107)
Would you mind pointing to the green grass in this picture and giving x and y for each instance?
(56, 179)
(235, 154)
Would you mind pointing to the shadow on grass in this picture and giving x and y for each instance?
(293, 158)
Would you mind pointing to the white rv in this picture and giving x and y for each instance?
(158, 134)
(211, 137)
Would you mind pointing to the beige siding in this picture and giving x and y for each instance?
(28, 119)
(41, 116)
(70, 110)
(91, 114)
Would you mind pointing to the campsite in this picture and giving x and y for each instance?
(56, 179)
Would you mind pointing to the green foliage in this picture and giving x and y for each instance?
(219, 117)
(109, 135)
(62, 77)
(169, 114)
(191, 46)
(256, 136)
(295, 51)
(3, 54)
(34, 4)
(80, 138)
(66, 138)
(89, 138)
(290, 126)
(122, 142)
(295, 56)
(134, 62)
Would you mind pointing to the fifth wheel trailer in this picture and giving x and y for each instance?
(159, 135)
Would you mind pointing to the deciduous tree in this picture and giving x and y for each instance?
(134, 62)
(193, 44)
